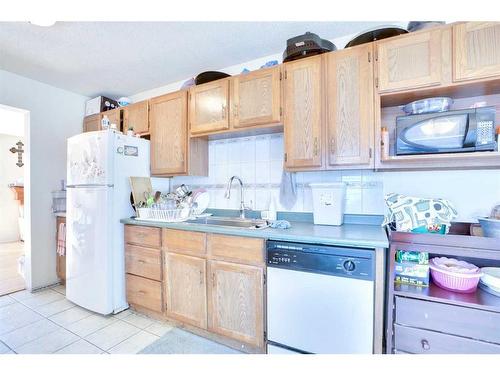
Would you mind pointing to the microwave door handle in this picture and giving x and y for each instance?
(470, 135)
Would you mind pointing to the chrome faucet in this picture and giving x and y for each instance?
(227, 195)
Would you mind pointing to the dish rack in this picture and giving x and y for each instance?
(173, 215)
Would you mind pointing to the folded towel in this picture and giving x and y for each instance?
(61, 240)
(280, 224)
(288, 190)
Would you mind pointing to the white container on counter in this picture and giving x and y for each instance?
(328, 202)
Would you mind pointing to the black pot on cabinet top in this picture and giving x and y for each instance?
(376, 34)
(209, 76)
(306, 45)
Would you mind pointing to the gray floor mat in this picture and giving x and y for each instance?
(178, 341)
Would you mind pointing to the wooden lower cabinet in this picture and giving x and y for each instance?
(144, 292)
(211, 284)
(143, 261)
(236, 302)
(186, 289)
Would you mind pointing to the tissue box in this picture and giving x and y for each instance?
(411, 273)
(419, 257)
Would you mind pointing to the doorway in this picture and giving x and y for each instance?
(14, 207)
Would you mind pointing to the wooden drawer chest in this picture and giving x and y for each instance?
(433, 320)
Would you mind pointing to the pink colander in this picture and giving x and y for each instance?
(455, 275)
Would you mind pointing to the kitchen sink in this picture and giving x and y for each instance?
(233, 222)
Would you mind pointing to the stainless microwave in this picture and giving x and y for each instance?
(465, 130)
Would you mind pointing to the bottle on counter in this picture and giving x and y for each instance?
(105, 122)
(498, 137)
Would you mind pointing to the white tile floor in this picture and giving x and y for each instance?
(46, 322)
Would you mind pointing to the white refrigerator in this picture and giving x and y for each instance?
(98, 196)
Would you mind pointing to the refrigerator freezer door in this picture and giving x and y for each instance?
(90, 158)
(89, 246)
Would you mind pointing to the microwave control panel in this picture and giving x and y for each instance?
(485, 132)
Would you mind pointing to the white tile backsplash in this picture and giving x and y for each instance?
(258, 161)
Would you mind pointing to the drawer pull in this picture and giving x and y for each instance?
(425, 344)
(141, 292)
(141, 261)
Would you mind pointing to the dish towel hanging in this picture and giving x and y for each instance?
(61, 239)
(288, 190)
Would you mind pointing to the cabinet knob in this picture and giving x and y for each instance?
(425, 344)
(201, 277)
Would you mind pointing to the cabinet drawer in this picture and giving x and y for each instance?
(144, 292)
(456, 320)
(144, 236)
(142, 261)
(238, 249)
(420, 341)
(184, 242)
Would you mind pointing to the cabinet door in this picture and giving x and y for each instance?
(410, 61)
(236, 302)
(137, 117)
(114, 117)
(208, 107)
(256, 98)
(92, 123)
(303, 113)
(186, 289)
(476, 50)
(168, 134)
(350, 106)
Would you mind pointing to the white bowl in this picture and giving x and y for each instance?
(491, 277)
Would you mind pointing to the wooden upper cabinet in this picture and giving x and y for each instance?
(208, 107)
(168, 130)
(350, 106)
(413, 60)
(92, 123)
(256, 98)
(303, 113)
(236, 302)
(136, 116)
(476, 48)
(186, 289)
(114, 116)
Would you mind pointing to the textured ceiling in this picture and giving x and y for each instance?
(124, 58)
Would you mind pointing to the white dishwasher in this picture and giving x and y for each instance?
(320, 299)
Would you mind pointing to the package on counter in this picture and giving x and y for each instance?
(419, 257)
(423, 215)
(411, 273)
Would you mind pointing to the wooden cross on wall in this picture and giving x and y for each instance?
(20, 152)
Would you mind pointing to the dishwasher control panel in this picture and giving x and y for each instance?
(330, 260)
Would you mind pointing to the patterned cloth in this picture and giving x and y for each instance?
(412, 212)
(61, 239)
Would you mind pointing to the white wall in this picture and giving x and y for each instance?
(258, 161)
(9, 173)
(55, 115)
(474, 192)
